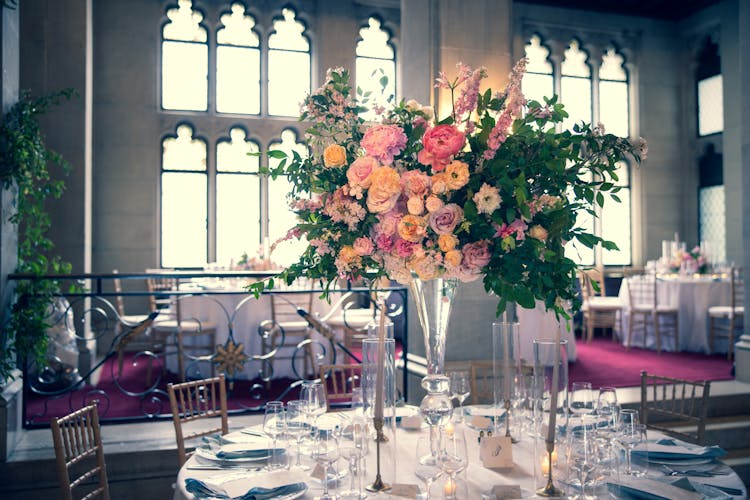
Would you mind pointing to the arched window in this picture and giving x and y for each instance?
(184, 60)
(539, 80)
(710, 90)
(288, 65)
(375, 67)
(237, 64)
(184, 201)
(575, 86)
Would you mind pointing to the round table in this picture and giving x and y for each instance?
(478, 478)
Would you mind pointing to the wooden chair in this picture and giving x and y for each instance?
(78, 443)
(482, 381)
(599, 310)
(172, 325)
(644, 308)
(338, 382)
(194, 401)
(346, 316)
(674, 406)
(724, 321)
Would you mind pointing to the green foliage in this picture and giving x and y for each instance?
(25, 161)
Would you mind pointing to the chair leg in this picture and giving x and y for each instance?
(630, 330)
(180, 366)
(657, 333)
(730, 338)
(589, 330)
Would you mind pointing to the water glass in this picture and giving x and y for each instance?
(326, 453)
(583, 461)
(298, 426)
(629, 435)
(274, 425)
(426, 469)
(460, 389)
(353, 448)
(453, 458)
(607, 397)
(313, 393)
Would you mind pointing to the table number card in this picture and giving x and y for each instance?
(496, 452)
(404, 490)
(506, 492)
(480, 422)
(318, 472)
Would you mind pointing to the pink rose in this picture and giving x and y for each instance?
(384, 242)
(388, 222)
(415, 183)
(476, 255)
(445, 219)
(363, 246)
(359, 171)
(383, 142)
(403, 248)
(440, 143)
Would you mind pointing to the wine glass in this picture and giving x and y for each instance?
(297, 426)
(274, 425)
(581, 398)
(326, 452)
(460, 389)
(629, 434)
(425, 467)
(353, 449)
(582, 459)
(313, 394)
(453, 457)
(607, 397)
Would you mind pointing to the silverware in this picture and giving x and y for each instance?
(223, 467)
(252, 433)
(695, 472)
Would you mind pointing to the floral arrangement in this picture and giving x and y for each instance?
(491, 191)
(693, 261)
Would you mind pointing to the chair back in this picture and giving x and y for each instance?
(78, 444)
(668, 404)
(592, 282)
(119, 302)
(338, 382)
(642, 291)
(193, 401)
(159, 285)
(738, 288)
(482, 381)
(284, 305)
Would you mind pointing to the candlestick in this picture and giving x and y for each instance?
(553, 397)
(506, 359)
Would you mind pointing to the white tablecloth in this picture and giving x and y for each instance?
(692, 297)
(538, 324)
(477, 477)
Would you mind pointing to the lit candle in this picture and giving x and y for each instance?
(449, 429)
(379, 382)
(555, 382)
(545, 465)
(450, 488)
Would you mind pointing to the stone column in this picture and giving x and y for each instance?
(10, 392)
(742, 65)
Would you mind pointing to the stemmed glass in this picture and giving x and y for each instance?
(460, 390)
(581, 399)
(582, 458)
(629, 435)
(274, 425)
(453, 458)
(354, 450)
(607, 398)
(426, 468)
(313, 394)
(326, 453)
(297, 426)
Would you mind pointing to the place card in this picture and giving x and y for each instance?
(480, 422)
(318, 472)
(496, 452)
(412, 422)
(506, 492)
(404, 490)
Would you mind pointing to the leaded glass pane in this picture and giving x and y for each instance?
(232, 155)
(238, 29)
(237, 216)
(576, 96)
(613, 107)
(184, 239)
(612, 66)
(713, 222)
(183, 152)
(288, 81)
(288, 33)
(374, 42)
(574, 63)
(184, 76)
(538, 57)
(237, 80)
(536, 86)
(710, 106)
(369, 73)
(184, 24)
(615, 221)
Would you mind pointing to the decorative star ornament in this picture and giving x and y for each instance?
(230, 357)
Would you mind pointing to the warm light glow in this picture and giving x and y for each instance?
(450, 487)
(449, 429)
(545, 462)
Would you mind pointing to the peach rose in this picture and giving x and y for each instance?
(425, 267)
(412, 228)
(334, 156)
(439, 183)
(538, 232)
(415, 183)
(415, 205)
(447, 242)
(363, 246)
(384, 190)
(457, 174)
(453, 258)
(433, 203)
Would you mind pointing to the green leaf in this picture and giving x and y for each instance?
(276, 154)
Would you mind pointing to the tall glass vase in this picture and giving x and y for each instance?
(434, 300)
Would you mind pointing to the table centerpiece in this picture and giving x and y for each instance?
(489, 191)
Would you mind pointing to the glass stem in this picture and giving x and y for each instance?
(299, 451)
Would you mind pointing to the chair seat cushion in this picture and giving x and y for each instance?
(603, 303)
(293, 326)
(725, 311)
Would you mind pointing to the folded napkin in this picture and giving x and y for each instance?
(202, 489)
(226, 453)
(675, 450)
(649, 489)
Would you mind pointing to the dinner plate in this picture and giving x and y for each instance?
(211, 455)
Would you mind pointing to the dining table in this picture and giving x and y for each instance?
(476, 481)
(691, 295)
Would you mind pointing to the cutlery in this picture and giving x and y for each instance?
(694, 472)
(252, 433)
(224, 467)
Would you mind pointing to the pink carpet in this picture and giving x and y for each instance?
(607, 363)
